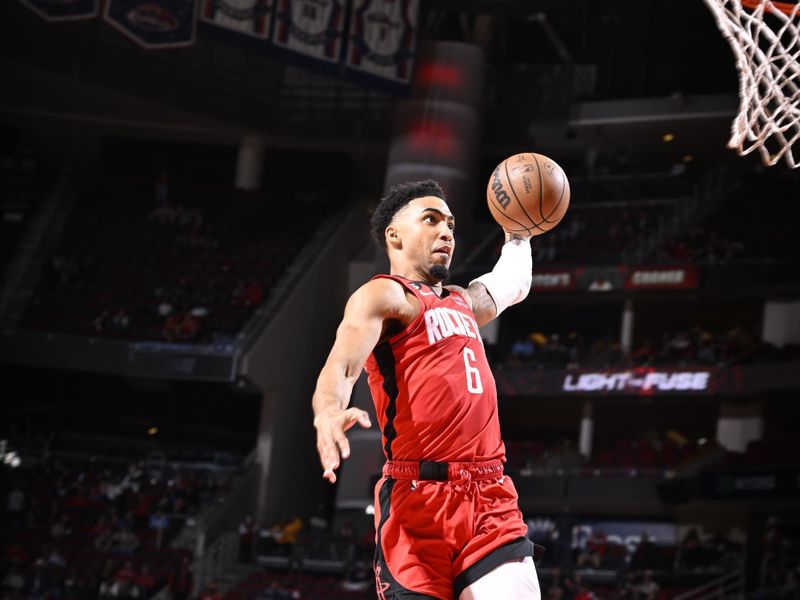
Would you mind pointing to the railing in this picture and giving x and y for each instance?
(216, 561)
(22, 273)
(706, 196)
(729, 587)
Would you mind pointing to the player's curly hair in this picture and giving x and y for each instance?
(400, 195)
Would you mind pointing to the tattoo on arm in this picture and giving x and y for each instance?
(482, 303)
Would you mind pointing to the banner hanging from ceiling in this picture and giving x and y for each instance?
(310, 28)
(249, 17)
(154, 23)
(64, 10)
(383, 38)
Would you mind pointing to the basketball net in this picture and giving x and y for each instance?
(765, 37)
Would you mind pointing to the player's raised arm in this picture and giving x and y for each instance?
(507, 284)
(365, 319)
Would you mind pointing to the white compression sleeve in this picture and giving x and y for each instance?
(510, 280)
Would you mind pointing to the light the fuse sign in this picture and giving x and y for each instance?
(638, 381)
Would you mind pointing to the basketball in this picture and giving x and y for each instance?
(528, 192)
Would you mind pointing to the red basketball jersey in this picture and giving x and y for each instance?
(434, 393)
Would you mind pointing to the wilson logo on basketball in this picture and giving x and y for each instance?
(497, 187)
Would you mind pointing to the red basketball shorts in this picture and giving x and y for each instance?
(436, 535)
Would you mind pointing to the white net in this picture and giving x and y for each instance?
(766, 41)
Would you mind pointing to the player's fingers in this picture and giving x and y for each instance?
(344, 446)
(328, 452)
(356, 415)
(363, 420)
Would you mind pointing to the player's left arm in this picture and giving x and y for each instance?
(507, 284)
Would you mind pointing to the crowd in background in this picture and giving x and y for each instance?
(695, 346)
(78, 529)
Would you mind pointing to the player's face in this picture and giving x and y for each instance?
(426, 227)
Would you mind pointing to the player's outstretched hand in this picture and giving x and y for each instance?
(331, 440)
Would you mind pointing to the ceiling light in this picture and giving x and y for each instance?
(668, 137)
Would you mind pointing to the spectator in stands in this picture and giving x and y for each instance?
(70, 590)
(246, 536)
(180, 581)
(252, 294)
(629, 590)
(123, 581)
(61, 528)
(13, 583)
(144, 582)
(648, 588)
(162, 188)
(172, 330)
(773, 546)
(102, 534)
(124, 541)
(522, 350)
(691, 550)
(646, 554)
(39, 583)
(56, 559)
(189, 328)
(119, 322)
(552, 543)
(15, 505)
(108, 589)
(561, 587)
(210, 592)
(582, 591)
(275, 592)
(318, 532)
(158, 522)
(595, 549)
(346, 539)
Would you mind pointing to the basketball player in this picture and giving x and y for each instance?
(446, 517)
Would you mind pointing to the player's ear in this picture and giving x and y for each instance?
(392, 236)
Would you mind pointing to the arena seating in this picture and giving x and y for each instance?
(766, 452)
(73, 513)
(624, 454)
(596, 233)
(193, 270)
(22, 185)
(736, 232)
(279, 586)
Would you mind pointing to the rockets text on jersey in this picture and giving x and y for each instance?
(434, 393)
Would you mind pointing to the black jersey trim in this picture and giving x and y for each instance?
(416, 323)
(384, 357)
(387, 586)
(518, 548)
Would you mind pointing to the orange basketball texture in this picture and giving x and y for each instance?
(528, 192)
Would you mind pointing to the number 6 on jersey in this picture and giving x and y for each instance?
(474, 384)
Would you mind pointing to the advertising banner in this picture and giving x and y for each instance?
(643, 381)
(625, 533)
(649, 381)
(681, 277)
(553, 280)
(752, 483)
